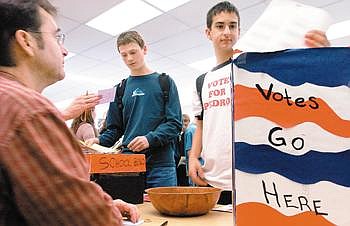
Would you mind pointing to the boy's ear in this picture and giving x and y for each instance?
(208, 33)
(145, 50)
(25, 42)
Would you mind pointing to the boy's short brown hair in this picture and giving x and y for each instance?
(224, 6)
(128, 37)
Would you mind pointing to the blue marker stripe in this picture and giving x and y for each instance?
(309, 168)
(320, 66)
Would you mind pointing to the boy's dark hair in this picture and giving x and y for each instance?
(128, 37)
(224, 6)
(19, 15)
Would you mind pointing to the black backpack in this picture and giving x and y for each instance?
(199, 85)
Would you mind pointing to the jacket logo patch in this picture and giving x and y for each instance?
(137, 92)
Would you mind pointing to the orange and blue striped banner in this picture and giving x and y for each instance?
(292, 137)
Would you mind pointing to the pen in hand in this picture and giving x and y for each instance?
(165, 223)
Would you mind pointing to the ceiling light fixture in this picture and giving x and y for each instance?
(123, 17)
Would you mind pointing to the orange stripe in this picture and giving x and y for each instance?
(250, 102)
(252, 214)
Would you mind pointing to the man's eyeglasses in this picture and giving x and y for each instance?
(60, 37)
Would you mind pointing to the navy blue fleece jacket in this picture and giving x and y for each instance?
(146, 114)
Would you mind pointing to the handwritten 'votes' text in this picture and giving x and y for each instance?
(277, 96)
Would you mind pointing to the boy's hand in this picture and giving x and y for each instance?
(316, 38)
(92, 141)
(138, 144)
(196, 172)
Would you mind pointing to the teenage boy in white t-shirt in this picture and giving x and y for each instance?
(213, 137)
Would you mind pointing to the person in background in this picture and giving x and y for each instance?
(150, 124)
(213, 139)
(84, 125)
(44, 178)
(102, 127)
(188, 136)
(185, 121)
(180, 159)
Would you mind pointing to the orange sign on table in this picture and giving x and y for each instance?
(116, 163)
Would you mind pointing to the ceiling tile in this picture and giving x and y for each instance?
(317, 3)
(104, 71)
(160, 27)
(178, 43)
(66, 24)
(84, 38)
(79, 63)
(182, 73)
(93, 84)
(152, 56)
(83, 10)
(61, 90)
(194, 12)
(118, 63)
(251, 14)
(163, 64)
(103, 52)
(339, 11)
(194, 54)
(201, 28)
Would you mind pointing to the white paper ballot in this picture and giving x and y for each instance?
(129, 223)
(107, 95)
(283, 25)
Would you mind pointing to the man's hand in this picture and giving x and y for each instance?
(138, 144)
(79, 105)
(196, 172)
(128, 210)
(316, 38)
(92, 141)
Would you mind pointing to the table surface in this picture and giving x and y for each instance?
(152, 217)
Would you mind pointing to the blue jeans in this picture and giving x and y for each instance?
(161, 177)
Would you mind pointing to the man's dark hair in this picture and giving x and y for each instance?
(224, 6)
(19, 15)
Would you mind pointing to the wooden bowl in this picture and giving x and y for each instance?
(183, 201)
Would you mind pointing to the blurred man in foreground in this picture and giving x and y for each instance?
(44, 178)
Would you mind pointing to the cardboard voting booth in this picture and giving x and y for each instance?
(292, 137)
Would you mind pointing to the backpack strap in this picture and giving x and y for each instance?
(120, 93)
(165, 86)
(119, 98)
(164, 82)
(199, 86)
